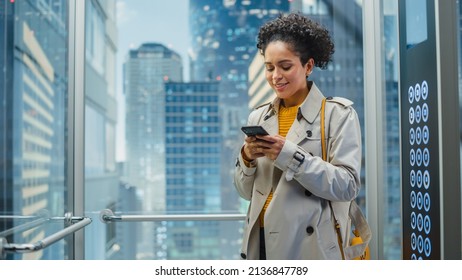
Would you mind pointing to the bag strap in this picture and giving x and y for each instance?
(323, 130)
(324, 157)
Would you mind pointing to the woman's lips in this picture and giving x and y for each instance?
(280, 86)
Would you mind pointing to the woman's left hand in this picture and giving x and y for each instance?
(271, 145)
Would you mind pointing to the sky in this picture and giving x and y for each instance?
(153, 21)
(159, 21)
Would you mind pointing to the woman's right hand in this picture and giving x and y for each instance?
(252, 148)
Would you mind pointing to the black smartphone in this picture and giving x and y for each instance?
(254, 130)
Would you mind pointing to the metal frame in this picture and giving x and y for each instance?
(76, 121)
(374, 92)
(446, 21)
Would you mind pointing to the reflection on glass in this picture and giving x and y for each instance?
(33, 119)
(182, 95)
(416, 22)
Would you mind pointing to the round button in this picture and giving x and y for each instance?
(425, 134)
(309, 230)
(424, 90)
(413, 199)
(308, 193)
(412, 178)
(410, 94)
(418, 135)
(427, 224)
(426, 179)
(418, 114)
(413, 241)
(427, 247)
(413, 220)
(426, 202)
(419, 178)
(418, 157)
(309, 133)
(426, 157)
(419, 222)
(417, 92)
(411, 115)
(412, 157)
(425, 112)
(411, 136)
(419, 201)
(243, 256)
(420, 244)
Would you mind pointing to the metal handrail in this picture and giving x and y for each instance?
(107, 216)
(47, 241)
(24, 227)
(42, 217)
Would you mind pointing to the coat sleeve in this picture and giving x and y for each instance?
(338, 179)
(244, 176)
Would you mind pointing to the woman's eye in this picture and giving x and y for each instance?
(285, 68)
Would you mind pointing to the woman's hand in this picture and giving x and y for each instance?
(259, 146)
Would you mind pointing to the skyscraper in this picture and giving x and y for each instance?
(223, 35)
(145, 71)
(193, 152)
(32, 121)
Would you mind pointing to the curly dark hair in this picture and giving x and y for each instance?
(307, 38)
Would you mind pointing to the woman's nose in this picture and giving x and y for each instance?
(276, 75)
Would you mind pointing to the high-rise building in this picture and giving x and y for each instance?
(33, 95)
(146, 69)
(193, 152)
(224, 38)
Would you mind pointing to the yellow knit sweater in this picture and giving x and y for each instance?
(286, 119)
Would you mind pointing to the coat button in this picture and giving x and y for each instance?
(309, 230)
(309, 133)
(243, 256)
(329, 98)
(308, 193)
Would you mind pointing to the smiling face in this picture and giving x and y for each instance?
(286, 74)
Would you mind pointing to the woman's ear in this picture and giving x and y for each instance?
(309, 66)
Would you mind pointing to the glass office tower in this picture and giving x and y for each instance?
(223, 43)
(145, 71)
(193, 185)
(33, 94)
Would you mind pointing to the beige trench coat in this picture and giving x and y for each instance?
(298, 221)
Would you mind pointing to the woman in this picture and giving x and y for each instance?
(283, 175)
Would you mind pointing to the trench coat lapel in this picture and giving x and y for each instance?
(307, 113)
(270, 119)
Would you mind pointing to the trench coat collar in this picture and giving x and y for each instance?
(309, 110)
(311, 107)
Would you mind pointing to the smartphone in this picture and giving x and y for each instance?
(254, 130)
